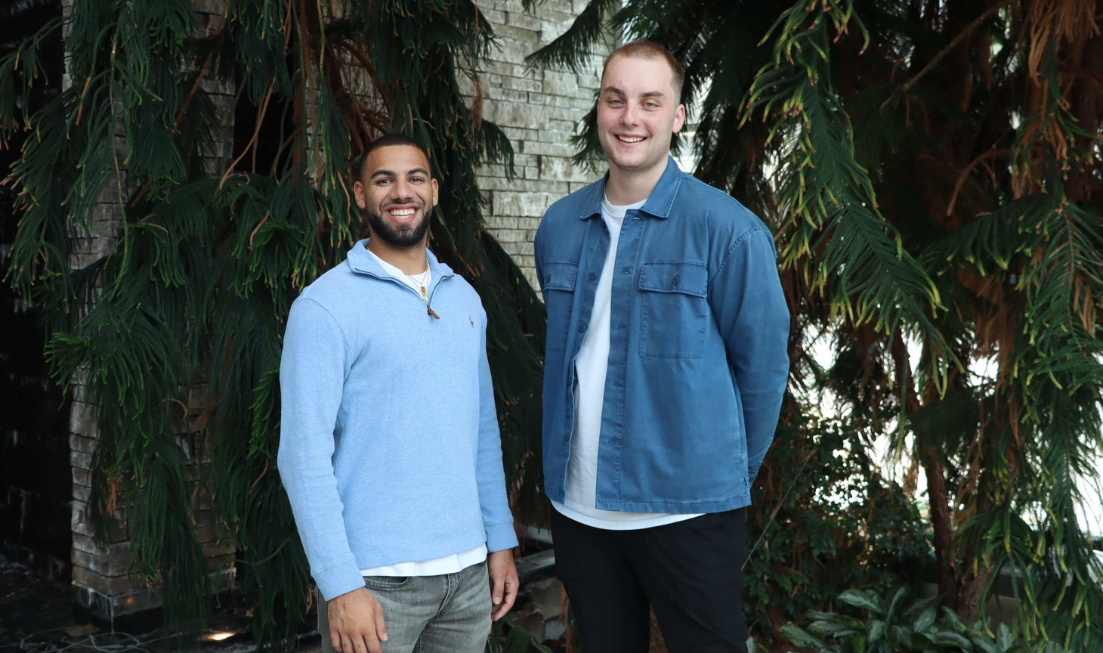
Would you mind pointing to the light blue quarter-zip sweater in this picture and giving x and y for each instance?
(389, 445)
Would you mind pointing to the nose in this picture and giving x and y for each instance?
(400, 190)
(629, 116)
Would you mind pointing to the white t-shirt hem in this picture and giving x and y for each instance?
(623, 521)
(448, 564)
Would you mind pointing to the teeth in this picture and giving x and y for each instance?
(629, 140)
(402, 213)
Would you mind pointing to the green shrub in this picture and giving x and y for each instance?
(888, 626)
(824, 520)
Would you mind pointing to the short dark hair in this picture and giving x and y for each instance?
(642, 49)
(387, 140)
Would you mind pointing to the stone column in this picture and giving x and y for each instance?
(539, 112)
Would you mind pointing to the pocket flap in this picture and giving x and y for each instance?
(686, 278)
(560, 275)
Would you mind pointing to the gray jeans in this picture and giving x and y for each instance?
(428, 614)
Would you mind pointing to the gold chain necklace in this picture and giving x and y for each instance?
(421, 282)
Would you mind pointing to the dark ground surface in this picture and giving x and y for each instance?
(37, 616)
(33, 610)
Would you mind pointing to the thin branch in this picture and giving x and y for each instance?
(252, 144)
(969, 29)
(203, 70)
(990, 154)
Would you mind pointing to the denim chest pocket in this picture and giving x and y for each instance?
(674, 313)
(559, 283)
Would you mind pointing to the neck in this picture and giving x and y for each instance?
(411, 260)
(628, 187)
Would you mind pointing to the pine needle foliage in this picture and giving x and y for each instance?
(932, 173)
(176, 328)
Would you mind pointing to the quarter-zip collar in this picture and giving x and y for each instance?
(659, 202)
(361, 261)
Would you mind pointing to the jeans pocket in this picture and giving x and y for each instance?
(385, 582)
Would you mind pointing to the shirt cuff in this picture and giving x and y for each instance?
(339, 579)
(500, 537)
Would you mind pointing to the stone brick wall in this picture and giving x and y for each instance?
(539, 111)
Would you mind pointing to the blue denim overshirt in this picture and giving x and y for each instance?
(697, 356)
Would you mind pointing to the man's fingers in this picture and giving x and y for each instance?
(373, 643)
(509, 595)
(496, 593)
(380, 624)
(359, 645)
(512, 586)
(335, 640)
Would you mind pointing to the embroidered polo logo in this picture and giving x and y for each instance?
(470, 320)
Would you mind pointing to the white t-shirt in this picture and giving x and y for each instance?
(591, 366)
(448, 564)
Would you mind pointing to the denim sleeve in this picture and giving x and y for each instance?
(312, 374)
(746, 297)
(537, 254)
(497, 518)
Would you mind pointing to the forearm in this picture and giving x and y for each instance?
(490, 471)
(319, 520)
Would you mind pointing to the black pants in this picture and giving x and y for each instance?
(688, 571)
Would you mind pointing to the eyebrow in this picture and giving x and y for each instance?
(391, 173)
(614, 89)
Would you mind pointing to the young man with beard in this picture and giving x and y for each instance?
(389, 445)
(664, 373)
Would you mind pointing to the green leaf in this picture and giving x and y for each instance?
(926, 620)
(877, 629)
(799, 637)
(863, 600)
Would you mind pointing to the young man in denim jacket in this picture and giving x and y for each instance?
(664, 374)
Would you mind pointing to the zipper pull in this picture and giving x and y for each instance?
(432, 312)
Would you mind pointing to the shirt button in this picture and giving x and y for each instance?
(592, 276)
(626, 270)
(675, 280)
(582, 329)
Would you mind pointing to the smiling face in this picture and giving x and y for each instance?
(638, 113)
(398, 194)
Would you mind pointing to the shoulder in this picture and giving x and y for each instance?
(328, 289)
(570, 207)
(463, 288)
(725, 216)
(462, 292)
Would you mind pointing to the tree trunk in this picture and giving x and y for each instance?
(943, 525)
(938, 496)
(969, 607)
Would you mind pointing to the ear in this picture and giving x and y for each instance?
(679, 118)
(361, 194)
(436, 192)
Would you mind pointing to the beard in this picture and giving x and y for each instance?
(404, 236)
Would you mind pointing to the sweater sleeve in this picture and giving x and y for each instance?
(497, 518)
(315, 362)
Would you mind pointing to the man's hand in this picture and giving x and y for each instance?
(356, 622)
(504, 574)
